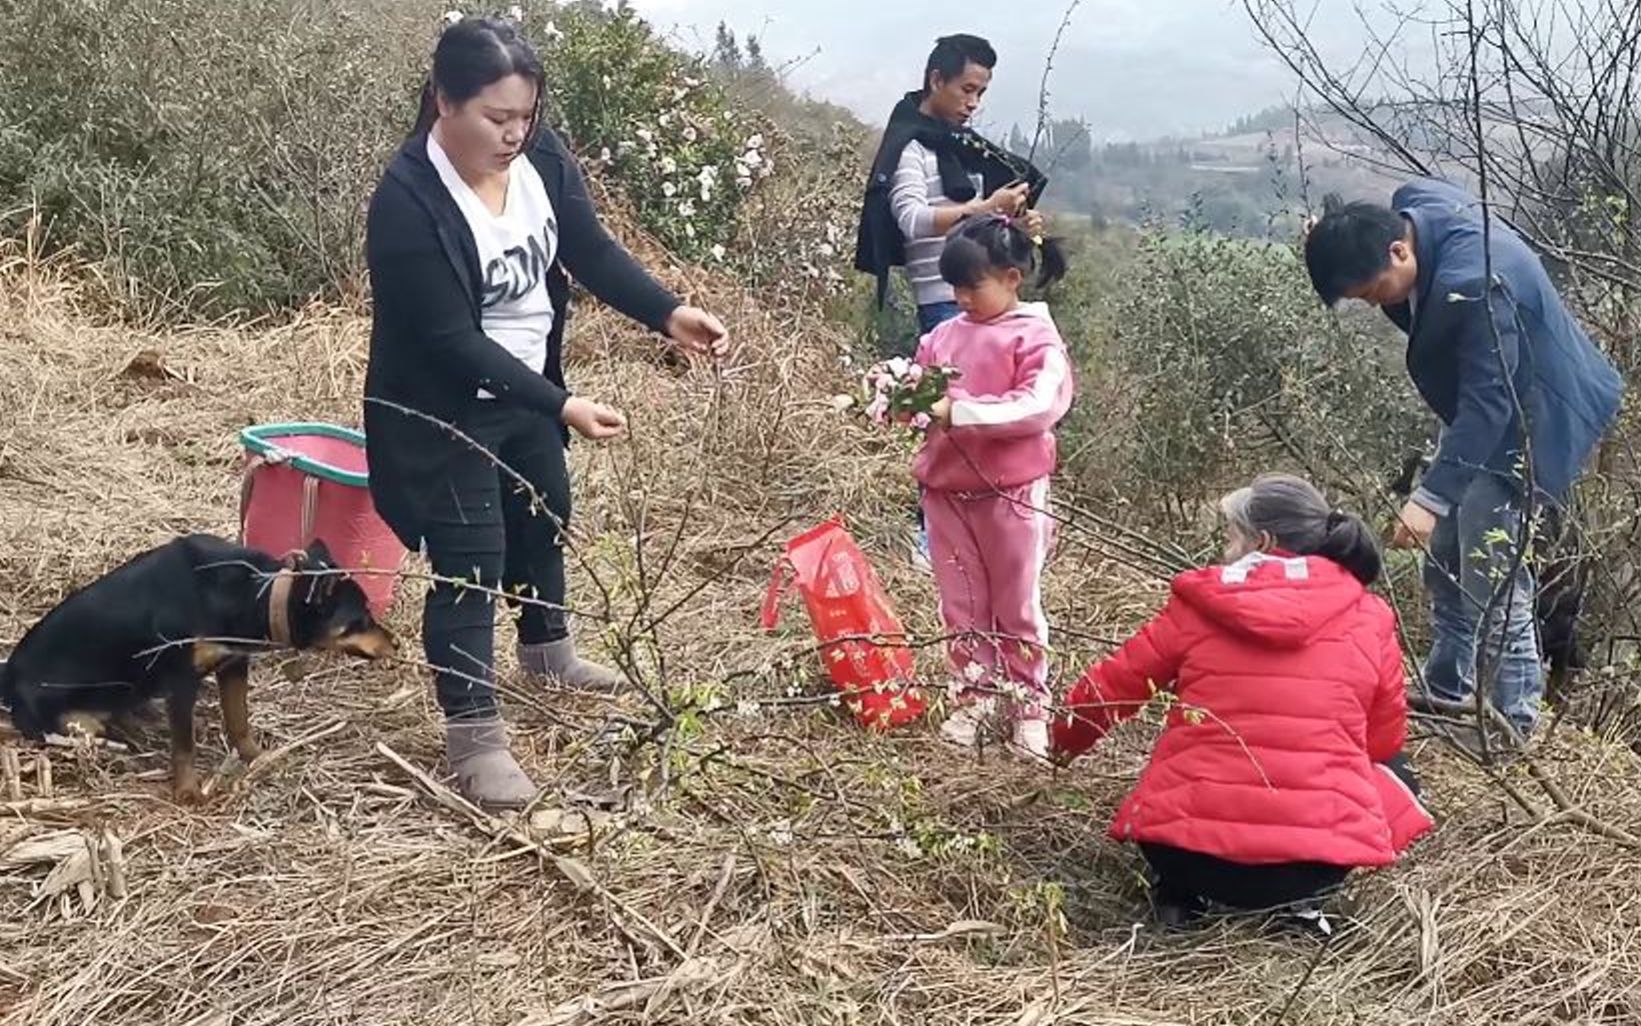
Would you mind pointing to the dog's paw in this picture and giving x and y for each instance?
(249, 752)
(187, 793)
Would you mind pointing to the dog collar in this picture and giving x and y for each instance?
(279, 608)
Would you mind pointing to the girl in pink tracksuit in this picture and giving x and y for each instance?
(984, 468)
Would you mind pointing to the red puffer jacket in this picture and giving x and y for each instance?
(1289, 688)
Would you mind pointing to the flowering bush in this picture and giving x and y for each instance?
(653, 119)
(249, 195)
(899, 391)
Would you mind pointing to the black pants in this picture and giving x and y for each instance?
(1187, 876)
(483, 527)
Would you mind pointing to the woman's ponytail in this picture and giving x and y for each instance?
(1348, 541)
(428, 112)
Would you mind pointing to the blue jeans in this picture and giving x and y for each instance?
(932, 315)
(1471, 553)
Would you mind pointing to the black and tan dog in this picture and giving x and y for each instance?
(158, 625)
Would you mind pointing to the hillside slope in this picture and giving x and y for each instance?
(762, 862)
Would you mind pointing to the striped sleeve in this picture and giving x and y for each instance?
(909, 193)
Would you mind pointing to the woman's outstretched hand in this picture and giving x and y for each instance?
(698, 332)
(593, 420)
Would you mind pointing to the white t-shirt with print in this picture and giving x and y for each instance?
(516, 248)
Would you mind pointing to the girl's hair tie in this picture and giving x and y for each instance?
(1335, 518)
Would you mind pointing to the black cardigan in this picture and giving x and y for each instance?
(428, 349)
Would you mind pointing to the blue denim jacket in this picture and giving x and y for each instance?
(1480, 377)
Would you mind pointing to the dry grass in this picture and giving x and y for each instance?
(801, 872)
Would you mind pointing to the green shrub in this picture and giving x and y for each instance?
(1219, 364)
(218, 159)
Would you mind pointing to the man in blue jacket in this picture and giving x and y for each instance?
(1523, 396)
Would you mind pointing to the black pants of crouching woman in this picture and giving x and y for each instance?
(482, 528)
(1190, 877)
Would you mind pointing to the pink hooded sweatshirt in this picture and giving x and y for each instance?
(1015, 384)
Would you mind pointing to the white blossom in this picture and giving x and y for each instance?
(552, 32)
(668, 166)
(451, 17)
(689, 133)
(687, 208)
(665, 119)
(515, 13)
(605, 155)
(669, 190)
(644, 134)
(756, 142)
(718, 252)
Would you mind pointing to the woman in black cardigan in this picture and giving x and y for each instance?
(470, 249)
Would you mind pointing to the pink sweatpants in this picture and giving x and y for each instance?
(988, 551)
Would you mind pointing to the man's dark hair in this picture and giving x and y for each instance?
(952, 54)
(1350, 246)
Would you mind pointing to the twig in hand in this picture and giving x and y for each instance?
(1048, 69)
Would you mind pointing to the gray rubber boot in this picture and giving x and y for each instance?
(557, 661)
(486, 772)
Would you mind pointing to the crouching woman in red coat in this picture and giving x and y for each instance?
(1280, 767)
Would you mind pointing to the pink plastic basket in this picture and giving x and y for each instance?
(307, 481)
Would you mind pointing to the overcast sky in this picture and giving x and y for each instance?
(1135, 69)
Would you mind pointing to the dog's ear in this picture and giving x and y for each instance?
(318, 553)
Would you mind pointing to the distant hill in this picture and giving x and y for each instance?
(1255, 178)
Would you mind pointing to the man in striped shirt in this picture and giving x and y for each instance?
(932, 172)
